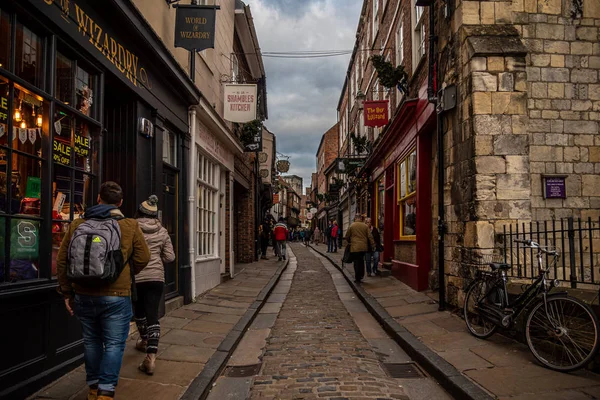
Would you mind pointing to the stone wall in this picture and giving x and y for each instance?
(529, 104)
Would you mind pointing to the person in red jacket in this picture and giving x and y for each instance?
(281, 234)
(334, 236)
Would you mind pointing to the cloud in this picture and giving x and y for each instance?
(303, 94)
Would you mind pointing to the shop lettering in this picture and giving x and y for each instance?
(27, 234)
(62, 153)
(4, 106)
(195, 35)
(195, 20)
(82, 146)
(240, 98)
(240, 107)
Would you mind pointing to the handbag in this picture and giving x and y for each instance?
(347, 258)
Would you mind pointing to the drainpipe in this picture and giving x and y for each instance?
(192, 201)
(431, 94)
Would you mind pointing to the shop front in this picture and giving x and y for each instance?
(401, 183)
(81, 101)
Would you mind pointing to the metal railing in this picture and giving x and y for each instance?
(577, 240)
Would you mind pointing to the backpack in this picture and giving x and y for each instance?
(94, 256)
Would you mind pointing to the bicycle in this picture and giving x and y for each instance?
(561, 331)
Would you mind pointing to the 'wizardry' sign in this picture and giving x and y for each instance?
(376, 113)
(195, 27)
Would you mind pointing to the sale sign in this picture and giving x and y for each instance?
(376, 113)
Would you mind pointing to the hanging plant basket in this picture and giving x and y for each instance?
(283, 166)
(390, 76)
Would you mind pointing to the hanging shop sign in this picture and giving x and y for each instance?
(283, 166)
(195, 27)
(276, 198)
(376, 113)
(240, 103)
(62, 153)
(344, 165)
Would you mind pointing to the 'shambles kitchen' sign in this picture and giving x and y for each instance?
(240, 103)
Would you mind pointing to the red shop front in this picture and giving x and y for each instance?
(402, 185)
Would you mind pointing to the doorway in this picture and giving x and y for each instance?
(169, 221)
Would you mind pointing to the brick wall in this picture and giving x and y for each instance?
(328, 149)
(244, 228)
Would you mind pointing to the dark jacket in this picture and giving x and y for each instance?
(377, 238)
(133, 245)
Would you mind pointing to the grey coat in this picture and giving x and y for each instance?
(161, 250)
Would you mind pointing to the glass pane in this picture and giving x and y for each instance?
(86, 147)
(61, 193)
(412, 172)
(403, 179)
(26, 185)
(380, 203)
(410, 216)
(64, 78)
(4, 111)
(29, 52)
(5, 30)
(62, 151)
(30, 122)
(84, 90)
(24, 249)
(83, 196)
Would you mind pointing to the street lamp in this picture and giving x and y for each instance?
(360, 99)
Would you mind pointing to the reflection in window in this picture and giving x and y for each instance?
(407, 195)
(5, 29)
(84, 91)
(64, 78)
(29, 56)
(23, 260)
(30, 122)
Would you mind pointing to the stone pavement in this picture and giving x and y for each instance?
(502, 366)
(190, 335)
(318, 347)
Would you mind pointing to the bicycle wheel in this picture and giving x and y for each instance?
(476, 324)
(565, 337)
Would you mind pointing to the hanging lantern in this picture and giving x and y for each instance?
(283, 166)
(23, 125)
(39, 121)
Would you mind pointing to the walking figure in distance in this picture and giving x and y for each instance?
(281, 234)
(102, 302)
(360, 238)
(373, 255)
(151, 282)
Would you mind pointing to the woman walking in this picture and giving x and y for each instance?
(372, 257)
(151, 281)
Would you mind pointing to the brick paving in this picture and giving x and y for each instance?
(315, 350)
(501, 365)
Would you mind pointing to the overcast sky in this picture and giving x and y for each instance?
(303, 93)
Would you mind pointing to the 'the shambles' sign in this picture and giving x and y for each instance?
(195, 27)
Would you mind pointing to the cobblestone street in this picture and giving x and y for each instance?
(317, 349)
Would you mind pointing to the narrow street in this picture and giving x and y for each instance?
(315, 339)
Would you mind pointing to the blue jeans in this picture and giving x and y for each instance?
(105, 326)
(374, 256)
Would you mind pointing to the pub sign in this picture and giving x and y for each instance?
(376, 113)
(195, 27)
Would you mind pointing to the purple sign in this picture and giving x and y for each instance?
(555, 188)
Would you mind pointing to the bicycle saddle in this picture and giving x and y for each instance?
(496, 266)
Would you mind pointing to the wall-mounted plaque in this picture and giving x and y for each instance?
(554, 186)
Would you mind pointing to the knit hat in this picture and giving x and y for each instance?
(149, 207)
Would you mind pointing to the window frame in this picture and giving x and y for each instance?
(418, 34)
(375, 25)
(207, 209)
(401, 200)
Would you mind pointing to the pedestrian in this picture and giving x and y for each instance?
(307, 235)
(373, 255)
(316, 236)
(360, 238)
(302, 235)
(328, 236)
(281, 234)
(264, 233)
(103, 241)
(151, 282)
(334, 236)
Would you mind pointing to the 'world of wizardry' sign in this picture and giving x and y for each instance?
(195, 27)
(376, 113)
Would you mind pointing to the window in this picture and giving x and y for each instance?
(400, 44)
(235, 68)
(75, 84)
(418, 36)
(407, 196)
(375, 18)
(169, 148)
(5, 32)
(29, 52)
(207, 203)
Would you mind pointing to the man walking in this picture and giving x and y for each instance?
(328, 237)
(264, 233)
(360, 238)
(281, 234)
(102, 304)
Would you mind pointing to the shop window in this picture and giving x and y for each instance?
(29, 53)
(84, 91)
(75, 165)
(24, 240)
(64, 78)
(206, 207)
(5, 31)
(29, 116)
(380, 202)
(74, 84)
(4, 111)
(407, 196)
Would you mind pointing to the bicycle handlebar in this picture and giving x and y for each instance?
(535, 245)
